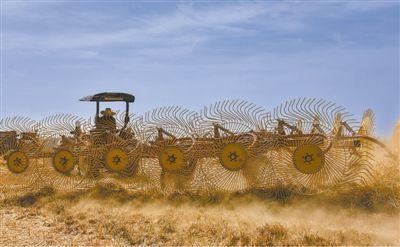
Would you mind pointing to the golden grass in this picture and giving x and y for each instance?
(109, 215)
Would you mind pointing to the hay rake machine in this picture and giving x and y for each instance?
(307, 145)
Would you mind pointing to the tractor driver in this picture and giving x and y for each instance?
(107, 120)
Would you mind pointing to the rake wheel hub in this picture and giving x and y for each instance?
(116, 159)
(64, 161)
(233, 156)
(171, 158)
(17, 162)
(308, 158)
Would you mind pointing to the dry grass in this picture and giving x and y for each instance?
(108, 215)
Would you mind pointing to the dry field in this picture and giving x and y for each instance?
(105, 215)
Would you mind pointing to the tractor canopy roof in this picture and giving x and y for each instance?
(109, 97)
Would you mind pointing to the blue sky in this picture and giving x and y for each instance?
(195, 53)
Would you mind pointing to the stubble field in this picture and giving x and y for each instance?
(107, 215)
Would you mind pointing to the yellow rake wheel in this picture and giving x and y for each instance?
(17, 162)
(64, 161)
(171, 159)
(233, 156)
(308, 158)
(116, 159)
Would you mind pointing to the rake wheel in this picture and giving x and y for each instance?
(20, 148)
(309, 165)
(64, 163)
(111, 159)
(235, 166)
(169, 148)
(234, 161)
(307, 154)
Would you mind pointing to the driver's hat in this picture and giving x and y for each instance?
(107, 112)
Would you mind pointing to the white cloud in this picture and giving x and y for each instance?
(364, 6)
(170, 33)
(184, 22)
